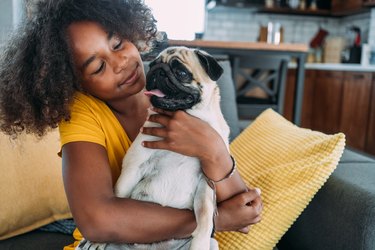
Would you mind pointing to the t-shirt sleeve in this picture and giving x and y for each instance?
(83, 125)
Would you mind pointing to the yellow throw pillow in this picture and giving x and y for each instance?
(31, 193)
(289, 164)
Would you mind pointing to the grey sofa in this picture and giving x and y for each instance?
(341, 216)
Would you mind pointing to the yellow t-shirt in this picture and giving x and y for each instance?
(93, 121)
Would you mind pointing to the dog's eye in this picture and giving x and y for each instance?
(183, 75)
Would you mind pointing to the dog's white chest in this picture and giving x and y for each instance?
(169, 179)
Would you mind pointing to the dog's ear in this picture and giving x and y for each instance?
(155, 61)
(210, 65)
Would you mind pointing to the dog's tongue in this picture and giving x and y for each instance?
(156, 92)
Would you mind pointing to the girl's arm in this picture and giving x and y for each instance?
(102, 217)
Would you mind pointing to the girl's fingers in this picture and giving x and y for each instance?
(251, 196)
(162, 111)
(157, 144)
(244, 230)
(155, 131)
(161, 119)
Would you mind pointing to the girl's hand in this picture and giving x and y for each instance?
(239, 212)
(184, 134)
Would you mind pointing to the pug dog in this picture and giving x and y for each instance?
(179, 78)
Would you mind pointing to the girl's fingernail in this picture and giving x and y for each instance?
(258, 190)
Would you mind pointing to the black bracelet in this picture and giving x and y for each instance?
(213, 183)
(230, 174)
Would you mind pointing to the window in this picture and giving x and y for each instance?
(180, 19)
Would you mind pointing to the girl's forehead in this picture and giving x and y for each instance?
(85, 28)
(85, 39)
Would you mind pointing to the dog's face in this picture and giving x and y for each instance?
(179, 76)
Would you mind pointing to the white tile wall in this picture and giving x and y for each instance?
(243, 25)
(11, 14)
(6, 21)
(371, 35)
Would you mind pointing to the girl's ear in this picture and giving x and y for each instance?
(210, 65)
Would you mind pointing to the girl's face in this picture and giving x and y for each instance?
(111, 67)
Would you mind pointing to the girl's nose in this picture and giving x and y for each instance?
(120, 63)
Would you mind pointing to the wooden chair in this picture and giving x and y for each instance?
(265, 74)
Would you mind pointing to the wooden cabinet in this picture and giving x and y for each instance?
(326, 103)
(370, 138)
(338, 101)
(307, 97)
(345, 7)
(290, 88)
(355, 108)
(369, 3)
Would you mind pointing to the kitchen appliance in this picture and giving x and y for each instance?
(353, 51)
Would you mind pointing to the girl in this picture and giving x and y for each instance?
(76, 64)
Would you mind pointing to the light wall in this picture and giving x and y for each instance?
(236, 24)
(6, 19)
(11, 14)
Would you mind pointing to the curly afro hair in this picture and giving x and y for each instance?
(37, 74)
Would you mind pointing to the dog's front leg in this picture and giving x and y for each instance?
(204, 205)
(132, 171)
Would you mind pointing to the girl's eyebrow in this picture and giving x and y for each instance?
(87, 62)
(93, 57)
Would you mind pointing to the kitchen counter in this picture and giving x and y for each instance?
(289, 47)
(338, 67)
(260, 46)
(235, 48)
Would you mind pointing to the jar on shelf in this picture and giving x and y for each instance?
(293, 4)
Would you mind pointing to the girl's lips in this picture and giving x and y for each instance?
(132, 78)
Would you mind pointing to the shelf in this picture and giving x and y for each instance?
(368, 3)
(289, 11)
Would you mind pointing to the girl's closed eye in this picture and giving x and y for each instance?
(99, 69)
(117, 41)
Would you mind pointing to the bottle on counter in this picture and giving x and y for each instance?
(274, 33)
(294, 4)
(313, 5)
(269, 4)
(302, 4)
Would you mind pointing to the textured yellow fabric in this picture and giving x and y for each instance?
(32, 192)
(289, 164)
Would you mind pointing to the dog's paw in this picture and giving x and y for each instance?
(88, 245)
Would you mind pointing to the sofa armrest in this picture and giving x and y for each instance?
(342, 214)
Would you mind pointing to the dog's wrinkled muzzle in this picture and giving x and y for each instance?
(167, 92)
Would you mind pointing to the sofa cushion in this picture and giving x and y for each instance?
(350, 156)
(289, 164)
(32, 193)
